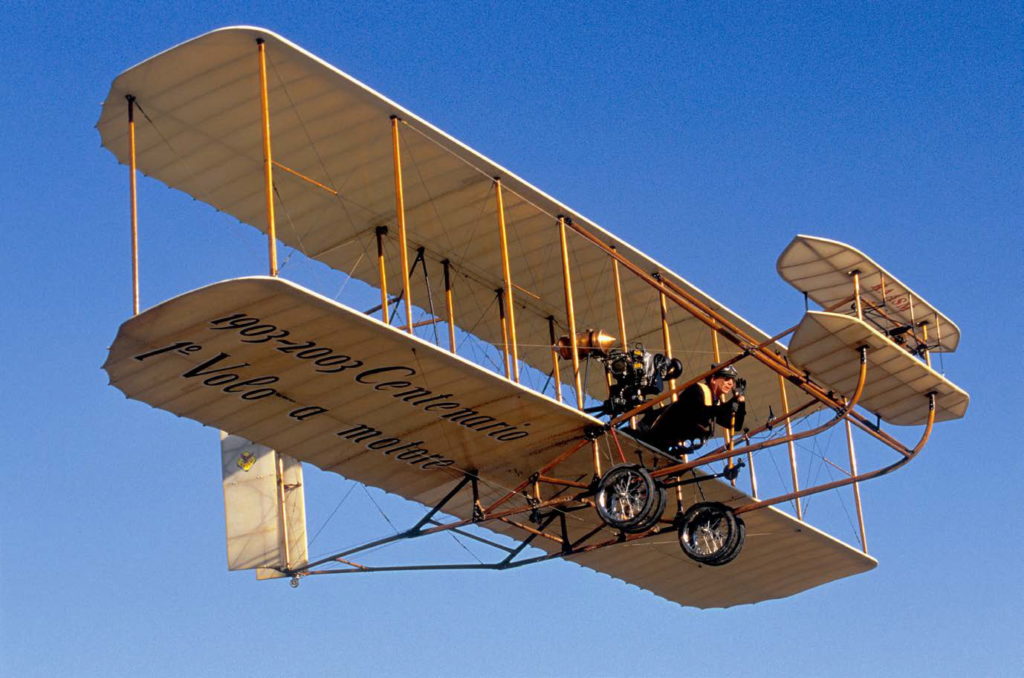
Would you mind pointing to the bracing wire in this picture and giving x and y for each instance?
(181, 157)
(351, 487)
(380, 510)
(342, 200)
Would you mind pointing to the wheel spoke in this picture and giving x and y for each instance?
(710, 533)
(628, 498)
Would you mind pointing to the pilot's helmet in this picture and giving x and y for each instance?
(727, 372)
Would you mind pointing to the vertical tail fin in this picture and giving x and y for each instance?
(264, 508)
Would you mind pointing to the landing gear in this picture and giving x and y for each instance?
(628, 498)
(710, 533)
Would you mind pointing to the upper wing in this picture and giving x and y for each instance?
(201, 133)
(821, 268)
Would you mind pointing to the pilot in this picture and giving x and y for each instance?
(688, 423)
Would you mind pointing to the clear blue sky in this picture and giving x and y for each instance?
(707, 133)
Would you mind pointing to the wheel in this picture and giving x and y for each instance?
(710, 533)
(652, 517)
(627, 498)
(730, 555)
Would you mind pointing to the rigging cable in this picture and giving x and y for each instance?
(350, 488)
(380, 510)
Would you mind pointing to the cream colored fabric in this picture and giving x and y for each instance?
(201, 133)
(822, 268)
(327, 385)
(897, 386)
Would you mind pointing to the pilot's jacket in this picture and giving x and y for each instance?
(690, 421)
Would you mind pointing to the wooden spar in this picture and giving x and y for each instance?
(134, 205)
(909, 454)
(385, 307)
(845, 410)
(506, 272)
(924, 351)
(403, 248)
(620, 312)
(753, 475)
(555, 372)
(619, 309)
(708, 315)
(856, 486)
(792, 448)
(449, 303)
(502, 318)
(282, 508)
(268, 160)
(666, 338)
(569, 311)
(858, 304)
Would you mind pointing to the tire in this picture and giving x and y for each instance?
(710, 533)
(730, 555)
(652, 517)
(628, 499)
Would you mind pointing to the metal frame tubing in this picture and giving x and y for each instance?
(282, 507)
(749, 347)
(133, 204)
(716, 354)
(385, 307)
(880, 310)
(506, 272)
(559, 506)
(704, 375)
(555, 371)
(308, 180)
(615, 421)
(725, 452)
(544, 469)
(449, 303)
(620, 311)
(268, 160)
(792, 449)
(666, 338)
(595, 450)
(709, 316)
(909, 455)
(856, 486)
(504, 332)
(569, 310)
(753, 475)
(858, 304)
(400, 218)
(925, 352)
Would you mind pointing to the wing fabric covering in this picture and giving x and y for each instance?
(299, 373)
(201, 133)
(821, 268)
(897, 383)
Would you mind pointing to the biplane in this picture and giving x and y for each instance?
(534, 450)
